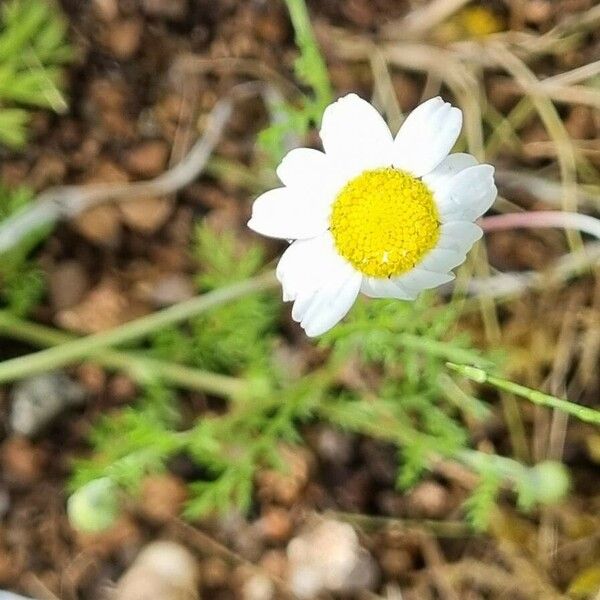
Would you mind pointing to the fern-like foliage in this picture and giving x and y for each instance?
(233, 338)
(133, 441)
(406, 343)
(398, 393)
(21, 281)
(33, 51)
(480, 504)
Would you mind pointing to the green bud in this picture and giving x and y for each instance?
(551, 480)
(95, 506)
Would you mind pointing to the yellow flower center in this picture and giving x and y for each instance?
(384, 222)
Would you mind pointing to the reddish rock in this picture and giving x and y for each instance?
(428, 499)
(147, 159)
(22, 462)
(162, 497)
(146, 215)
(67, 284)
(123, 38)
(276, 524)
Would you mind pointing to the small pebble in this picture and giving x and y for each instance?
(215, 572)
(170, 289)
(92, 377)
(538, 12)
(396, 562)
(122, 389)
(50, 169)
(162, 497)
(106, 10)
(162, 571)
(275, 524)
(123, 38)
(67, 284)
(429, 499)
(147, 159)
(38, 400)
(22, 462)
(328, 557)
(100, 225)
(146, 215)
(285, 486)
(335, 446)
(274, 563)
(258, 587)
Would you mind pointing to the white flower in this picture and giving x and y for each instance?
(388, 217)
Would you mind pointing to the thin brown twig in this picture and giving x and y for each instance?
(443, 529)
(384, 89)
(556, 91)
(550, 149)
(576, 75)
(523, 567)
(553, 124)
(513, 284)
(65, 202)
(422, 20)
(543, 188)
(435, 562)
(38, 588)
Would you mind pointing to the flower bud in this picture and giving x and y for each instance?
(95, 506)
(551, 481)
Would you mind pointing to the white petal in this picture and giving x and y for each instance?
(308, 264)
(420, 279)
(441, 260)
(375, 287)
(310, 175)
(448, 168)
(281, 213)
(459, 236)
(323, 285)
(468, 195)
(301, 165)
(427, 136)
(355, 136)
(324, 308)
(304, 166)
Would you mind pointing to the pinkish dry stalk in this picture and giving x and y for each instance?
(542, 219)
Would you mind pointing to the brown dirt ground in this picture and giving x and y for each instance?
(131, 117)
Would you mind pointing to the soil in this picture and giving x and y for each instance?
(130, 117)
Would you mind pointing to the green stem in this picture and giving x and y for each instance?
(317, 76)
(583, 413)
(138, 366)
(77, 349)
(440, 349)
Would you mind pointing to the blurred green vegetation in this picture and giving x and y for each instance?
(33, 52)
(408, 403)
(22, 284)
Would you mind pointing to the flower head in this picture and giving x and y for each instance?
(388, 217)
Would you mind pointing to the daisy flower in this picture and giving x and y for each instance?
(382, 215)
